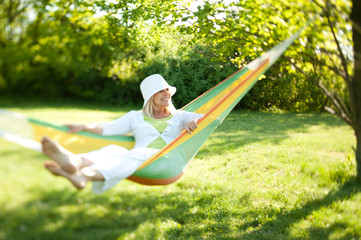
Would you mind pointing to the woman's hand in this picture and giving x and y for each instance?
(191, 125)
(90, 127)
(74, 128)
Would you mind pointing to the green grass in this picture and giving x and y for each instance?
(259, 176)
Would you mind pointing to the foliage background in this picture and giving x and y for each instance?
(99, 51)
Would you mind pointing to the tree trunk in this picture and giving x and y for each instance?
(355, 90)
(358, 157)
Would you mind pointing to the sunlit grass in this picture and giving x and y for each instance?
(259, 176)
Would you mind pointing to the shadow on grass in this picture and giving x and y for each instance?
(64, 214)
(282, 222)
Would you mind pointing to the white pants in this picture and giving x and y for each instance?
(116, 163)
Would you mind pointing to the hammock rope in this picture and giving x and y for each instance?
(169, 164)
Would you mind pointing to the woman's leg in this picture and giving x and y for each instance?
(80, 178)
(68, 161)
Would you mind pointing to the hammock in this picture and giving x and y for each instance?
(169, 164)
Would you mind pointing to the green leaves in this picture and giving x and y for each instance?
(93, 44)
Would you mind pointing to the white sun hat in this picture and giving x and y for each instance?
(153, 84)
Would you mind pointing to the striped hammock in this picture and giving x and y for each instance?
(169, 164)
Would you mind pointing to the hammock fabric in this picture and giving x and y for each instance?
(169, 164)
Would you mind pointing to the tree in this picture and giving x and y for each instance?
(240, 31)
(348, 108)
(355, 84)
(332, 60)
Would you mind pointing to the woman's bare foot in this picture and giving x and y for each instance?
(52, 167)
(68, 161)
(84, 162)
(77, 179)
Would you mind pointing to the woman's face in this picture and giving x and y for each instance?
(162, 98)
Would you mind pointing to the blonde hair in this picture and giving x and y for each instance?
(148, 109)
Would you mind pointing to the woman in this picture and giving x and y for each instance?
(156, 125)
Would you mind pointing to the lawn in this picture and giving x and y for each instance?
(259, 176)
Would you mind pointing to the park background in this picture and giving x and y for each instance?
(279, 167)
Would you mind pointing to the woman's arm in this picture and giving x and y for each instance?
(91, 127)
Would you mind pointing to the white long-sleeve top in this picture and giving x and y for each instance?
(143, 132)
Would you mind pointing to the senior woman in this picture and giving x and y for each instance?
(156, 125)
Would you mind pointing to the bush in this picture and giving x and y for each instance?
(192, 75)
